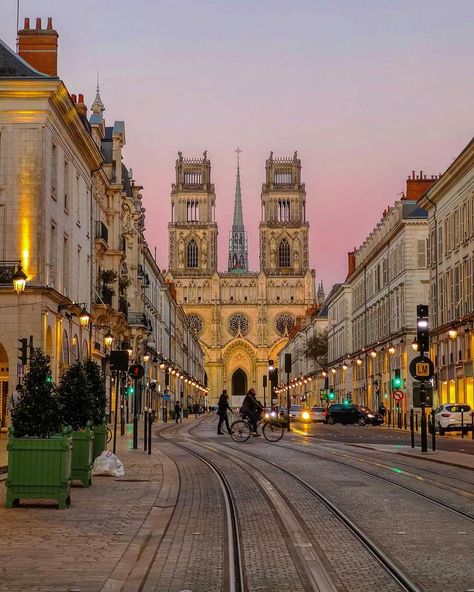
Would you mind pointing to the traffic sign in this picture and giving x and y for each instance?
(397, 395)
(166, 397)
(421, 368)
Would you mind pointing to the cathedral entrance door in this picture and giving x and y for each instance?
(239, 387)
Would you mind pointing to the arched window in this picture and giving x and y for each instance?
(284, 254)
(192, 254)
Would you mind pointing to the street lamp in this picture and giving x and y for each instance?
(452, 332)
(108, 339)
(391, 349)
(19, 280)
(84, 318)
(146, 358)
(415, 345)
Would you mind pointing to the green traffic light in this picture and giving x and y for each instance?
(397, 382)
(49, 379)
(130, 390)
(331, 396)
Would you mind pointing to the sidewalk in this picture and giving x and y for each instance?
(94, 545)
(454, 459)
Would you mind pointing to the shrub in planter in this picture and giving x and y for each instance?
(39, 451)
(76, 405)
(98, 396)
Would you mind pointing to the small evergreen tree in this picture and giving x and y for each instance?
(75, 397)
(96, 386)
(37, 413)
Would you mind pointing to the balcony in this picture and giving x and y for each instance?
(7, 269)
(123, 307)
(101, 232)
(138, 319)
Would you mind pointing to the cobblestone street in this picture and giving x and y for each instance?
(165, 525)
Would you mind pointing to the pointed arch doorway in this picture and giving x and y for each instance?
(239, 386)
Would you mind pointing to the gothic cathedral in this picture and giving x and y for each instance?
(242, 317)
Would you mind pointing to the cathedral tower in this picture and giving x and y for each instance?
(283, 229)
(238, 250)
(193, 230)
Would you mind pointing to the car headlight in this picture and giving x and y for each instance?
(273, 414)
(305, 415)
(267, 415)
(370, 415)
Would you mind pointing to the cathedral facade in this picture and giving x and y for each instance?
(242, 317)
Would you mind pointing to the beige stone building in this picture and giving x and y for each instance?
(242, 317)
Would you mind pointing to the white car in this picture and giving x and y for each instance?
(448, 417)
(318, 414)
(296, 412)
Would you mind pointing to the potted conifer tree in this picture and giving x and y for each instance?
(98, 396)
(39, 449)
(76, 403)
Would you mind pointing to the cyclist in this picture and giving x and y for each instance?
(251, 408)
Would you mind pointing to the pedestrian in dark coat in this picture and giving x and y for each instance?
(177, 412)
(252, 408)
(222, 412)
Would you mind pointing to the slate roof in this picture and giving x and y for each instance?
(12, 66)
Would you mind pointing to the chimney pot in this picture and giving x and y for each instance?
(50, 23)
(74, 99)
(39, 47)
(27, 23)
(81, 98)
(38, 23)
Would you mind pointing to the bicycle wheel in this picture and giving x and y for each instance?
(273, 432)
(240, 431)
(109, 435)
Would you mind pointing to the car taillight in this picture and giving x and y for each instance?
(446, 415)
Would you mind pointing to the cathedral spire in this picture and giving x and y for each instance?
(97, 106)
(238, 254)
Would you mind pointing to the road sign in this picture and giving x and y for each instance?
(421, 368)
(20, 370)
(397, 395)
(166, 397)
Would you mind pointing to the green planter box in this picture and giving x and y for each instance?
(100, 440)
(82, 447)
(39, 468)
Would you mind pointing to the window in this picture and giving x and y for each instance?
(421, 254)
(53, 253)
(284, 254)
(54, 170)
(66, 186)
(192, 211)
(66, 266)
(283, 178)
(192, 254)
(239, 323)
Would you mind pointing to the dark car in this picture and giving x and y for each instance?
(343, 413)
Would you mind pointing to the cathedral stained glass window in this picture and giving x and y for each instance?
(284, 254)
(284, 323)
(239, 323)
(192, 254)
(196, 323)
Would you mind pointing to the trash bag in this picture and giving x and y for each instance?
(108, 464)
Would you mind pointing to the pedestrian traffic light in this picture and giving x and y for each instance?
(422, 330)
(23, 349)
(49, 379)
(397, 381)
(331, 394)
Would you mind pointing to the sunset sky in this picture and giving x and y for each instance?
(365, 90)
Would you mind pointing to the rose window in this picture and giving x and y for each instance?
(284, 323)
(195, 322)
(239, 323)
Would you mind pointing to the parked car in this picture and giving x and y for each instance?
(448, 417)
(343, 413)
(318, 414)
(296, 411)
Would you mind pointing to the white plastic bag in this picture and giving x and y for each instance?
(108, 464)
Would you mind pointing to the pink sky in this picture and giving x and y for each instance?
(365, 91)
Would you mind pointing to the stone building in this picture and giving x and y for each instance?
(387, 277)
(242, 317)
(450, 207)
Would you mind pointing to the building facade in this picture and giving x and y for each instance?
(388, 276)
(72, 219)
(450, 207)
(242, 317)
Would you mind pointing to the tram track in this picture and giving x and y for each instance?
(404, 580)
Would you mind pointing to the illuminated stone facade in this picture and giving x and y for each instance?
(242, 317)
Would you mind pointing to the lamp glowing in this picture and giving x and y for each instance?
(108, 339)
(19, 280)
(84, 318)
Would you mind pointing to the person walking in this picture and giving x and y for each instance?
(223, 407)
(177, 412)
(382, 410)
(14, 398)
(251, 408)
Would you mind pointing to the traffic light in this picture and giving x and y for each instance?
(130, 389)
(23, 349)
(397, 381)
(331, 394)
(422, 330)
(49, 379)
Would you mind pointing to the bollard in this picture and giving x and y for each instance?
(145, 429)
(405, 421)
(472, 425)
(462, 422)
(412, 431)
(433, 431)
(150, 423)
(389, 417)
(416, 422)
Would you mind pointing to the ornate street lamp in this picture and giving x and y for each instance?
(146, 357)
(19, 280)
(415, 345)
(84, 318)
(391, 349)
(108, 339)
(452, 332)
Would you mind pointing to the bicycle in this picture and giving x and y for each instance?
(109, 435)
(272, 430)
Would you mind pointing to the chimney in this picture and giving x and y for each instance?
(80, 106)
(418, 184)
(351, 263)
(39, 47)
